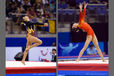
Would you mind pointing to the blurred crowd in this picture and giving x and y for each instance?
(16, 9)
(73, 4)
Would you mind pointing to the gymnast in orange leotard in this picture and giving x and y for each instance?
(90, 33)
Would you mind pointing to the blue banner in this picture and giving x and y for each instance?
(73, 49)
(82, 73)
(21, 42)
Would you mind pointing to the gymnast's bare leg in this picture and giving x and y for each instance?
(95, 42)
(30, 39)
(88, 40)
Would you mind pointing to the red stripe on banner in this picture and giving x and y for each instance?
(83, 67)
(55, 26)
(21, 70)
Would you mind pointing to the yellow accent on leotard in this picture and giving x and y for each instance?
(30, 30)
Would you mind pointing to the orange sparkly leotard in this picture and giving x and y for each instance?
(83, 25)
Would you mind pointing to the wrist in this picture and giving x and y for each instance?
(80, 10)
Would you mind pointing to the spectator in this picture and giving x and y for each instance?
(46, 14)
(52, 6)
(38, 1)
(17, 2)
(19, 11)
(53, 44)
(40, 10)
(26, 5)
(53, 55)
(32, 2)
(13, 8)
(51, 16)
(45, 2)
(35, 9)
(8, 8)
(91, 50)
(47, 8)
(31, 13)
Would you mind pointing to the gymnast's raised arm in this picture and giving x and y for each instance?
(84, 11)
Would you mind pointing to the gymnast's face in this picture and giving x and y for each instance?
(75, 25)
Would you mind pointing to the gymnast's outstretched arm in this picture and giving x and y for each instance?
(80, 17)
(84, 11)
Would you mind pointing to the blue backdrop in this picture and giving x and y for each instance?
(21, 42)
(73, 49)
(67, 48)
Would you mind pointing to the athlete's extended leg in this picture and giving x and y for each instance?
(95, 42)
(26, 52)
(88, 40)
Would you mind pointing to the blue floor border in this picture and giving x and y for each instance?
(82, 73)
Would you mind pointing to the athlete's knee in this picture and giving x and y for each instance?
(40, 42)
(26, 51)
(37, 44)
(97, 47)
(84, 48)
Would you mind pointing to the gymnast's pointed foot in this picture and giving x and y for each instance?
(77, 60)
(103, 60)
(23, 62)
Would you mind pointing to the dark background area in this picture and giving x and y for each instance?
(100, 29)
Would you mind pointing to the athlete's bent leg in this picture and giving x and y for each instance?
(36, 42)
